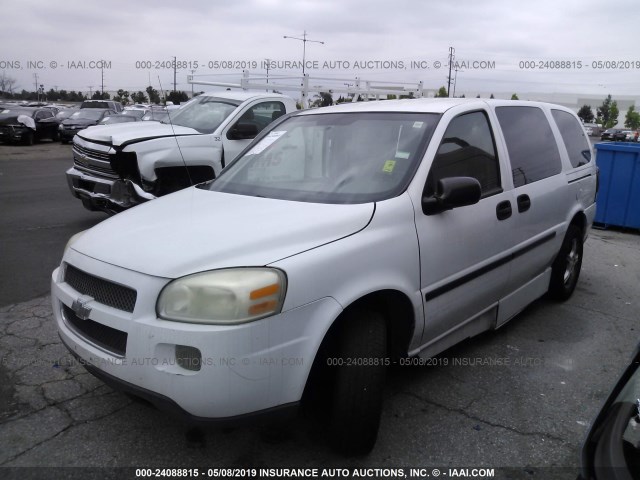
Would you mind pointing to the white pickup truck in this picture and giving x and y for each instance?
(118, 166)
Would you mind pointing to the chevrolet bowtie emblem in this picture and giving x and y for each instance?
(80, 308)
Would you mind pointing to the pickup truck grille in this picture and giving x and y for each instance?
(95, 154)
(93, 161)
(103, 291)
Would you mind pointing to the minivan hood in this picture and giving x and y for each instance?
(194, 230)
(118, 134)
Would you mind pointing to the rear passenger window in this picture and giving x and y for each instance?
(573, 137)
(467, 150)
(530, 142)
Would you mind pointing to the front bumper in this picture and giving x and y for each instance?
(68, 134)
(12, 134)
(109, 195)
(247, 368)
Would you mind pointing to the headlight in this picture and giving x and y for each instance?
(60, 127)
(229, 296)
(73, 240)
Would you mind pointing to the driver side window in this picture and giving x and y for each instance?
(467, 150)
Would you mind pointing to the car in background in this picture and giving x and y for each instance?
(621, 135)
(156, 115)
(596, 130)
(27, 124)
(612, 134)
(138, 113)
(83, 118)
(115, 106)
(628, 135)
(116, 167)
(612, 447)
(65, 113)
(118, 118)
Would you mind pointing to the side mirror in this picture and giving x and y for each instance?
(452, 192)
(243, 131)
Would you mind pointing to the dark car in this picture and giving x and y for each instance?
(614, 134)
(118, 118)
(83, 118)
(65, 113)
(27, 124)
(115, 106)
(612, 447)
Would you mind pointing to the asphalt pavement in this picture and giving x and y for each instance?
(37, 217)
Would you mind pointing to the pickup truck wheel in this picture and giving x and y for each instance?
(566, 267)
(359, 383)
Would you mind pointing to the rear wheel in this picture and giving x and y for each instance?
(359, 382)
(566, 267)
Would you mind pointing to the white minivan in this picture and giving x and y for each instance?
(339, 241)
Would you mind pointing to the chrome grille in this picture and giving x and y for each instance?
(94, 161)
(95, 168)
(103, 291)
(89, 152)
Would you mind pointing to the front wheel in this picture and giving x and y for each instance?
(566, 267)
(28, 138)
(359, 382)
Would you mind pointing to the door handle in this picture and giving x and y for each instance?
(503, 210)
(524, 202)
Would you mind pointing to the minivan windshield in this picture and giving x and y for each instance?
(203, 113)
(332, 158)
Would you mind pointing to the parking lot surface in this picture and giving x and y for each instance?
(521, 397)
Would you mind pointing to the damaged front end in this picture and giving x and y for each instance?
(106, 178)
(17, 128)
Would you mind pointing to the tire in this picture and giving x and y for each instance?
(64, 141)
(566, 267)
(29, 138)
(358, 389)
(56, 136)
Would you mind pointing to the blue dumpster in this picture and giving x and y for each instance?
(618, 202)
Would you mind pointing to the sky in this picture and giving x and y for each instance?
(560, 46)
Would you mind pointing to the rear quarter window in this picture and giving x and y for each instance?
(532, 148)
(574, 138)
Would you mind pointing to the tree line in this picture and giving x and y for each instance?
(607, 115)
(150, 95)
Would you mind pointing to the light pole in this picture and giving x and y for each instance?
(304, 41)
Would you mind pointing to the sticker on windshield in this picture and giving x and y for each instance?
(389, 165)
(266, 141)
(418, 124)
(400, 154)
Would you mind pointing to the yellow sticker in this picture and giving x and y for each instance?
(389, 165)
